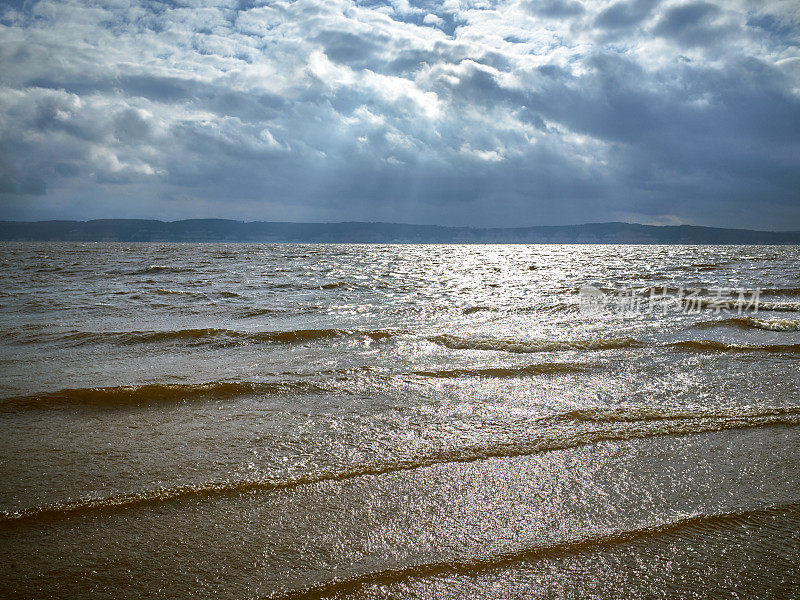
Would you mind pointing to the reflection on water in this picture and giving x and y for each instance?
(395, 421)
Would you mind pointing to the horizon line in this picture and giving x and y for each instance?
(352, 222)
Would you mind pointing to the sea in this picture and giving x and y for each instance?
(399, 421)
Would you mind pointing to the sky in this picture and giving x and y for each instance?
(473, 112)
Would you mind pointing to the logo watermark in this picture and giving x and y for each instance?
(593, 300)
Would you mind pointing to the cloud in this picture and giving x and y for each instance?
(694, 24)
(556, 9)
(21, 186)
(624, 14)
(456, 112)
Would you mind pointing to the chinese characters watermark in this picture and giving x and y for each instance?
(593, 300)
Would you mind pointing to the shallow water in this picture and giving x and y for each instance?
(398, 421)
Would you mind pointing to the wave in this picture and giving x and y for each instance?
(200, 336)
(474, 309)
(610, 424)
(768, 257)
(780, 306)
(167, 292)
(710, 345)
(537, 369)
(633, 414)
(793, 291)
(702, 265)
(303, 286)
(263, 312)
(722, 304)
(259, 312)
(529, 346)
(131, 395)
(706, 267)
(682, 292)
(752, 323)
(554, 308)
(160, 269)
(350, 586)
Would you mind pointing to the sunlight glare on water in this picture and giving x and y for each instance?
(397, 421)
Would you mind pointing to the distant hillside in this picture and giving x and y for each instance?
(221, 230)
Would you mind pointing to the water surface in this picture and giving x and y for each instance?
(411, 421)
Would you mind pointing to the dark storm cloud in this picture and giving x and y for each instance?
(456, 111)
